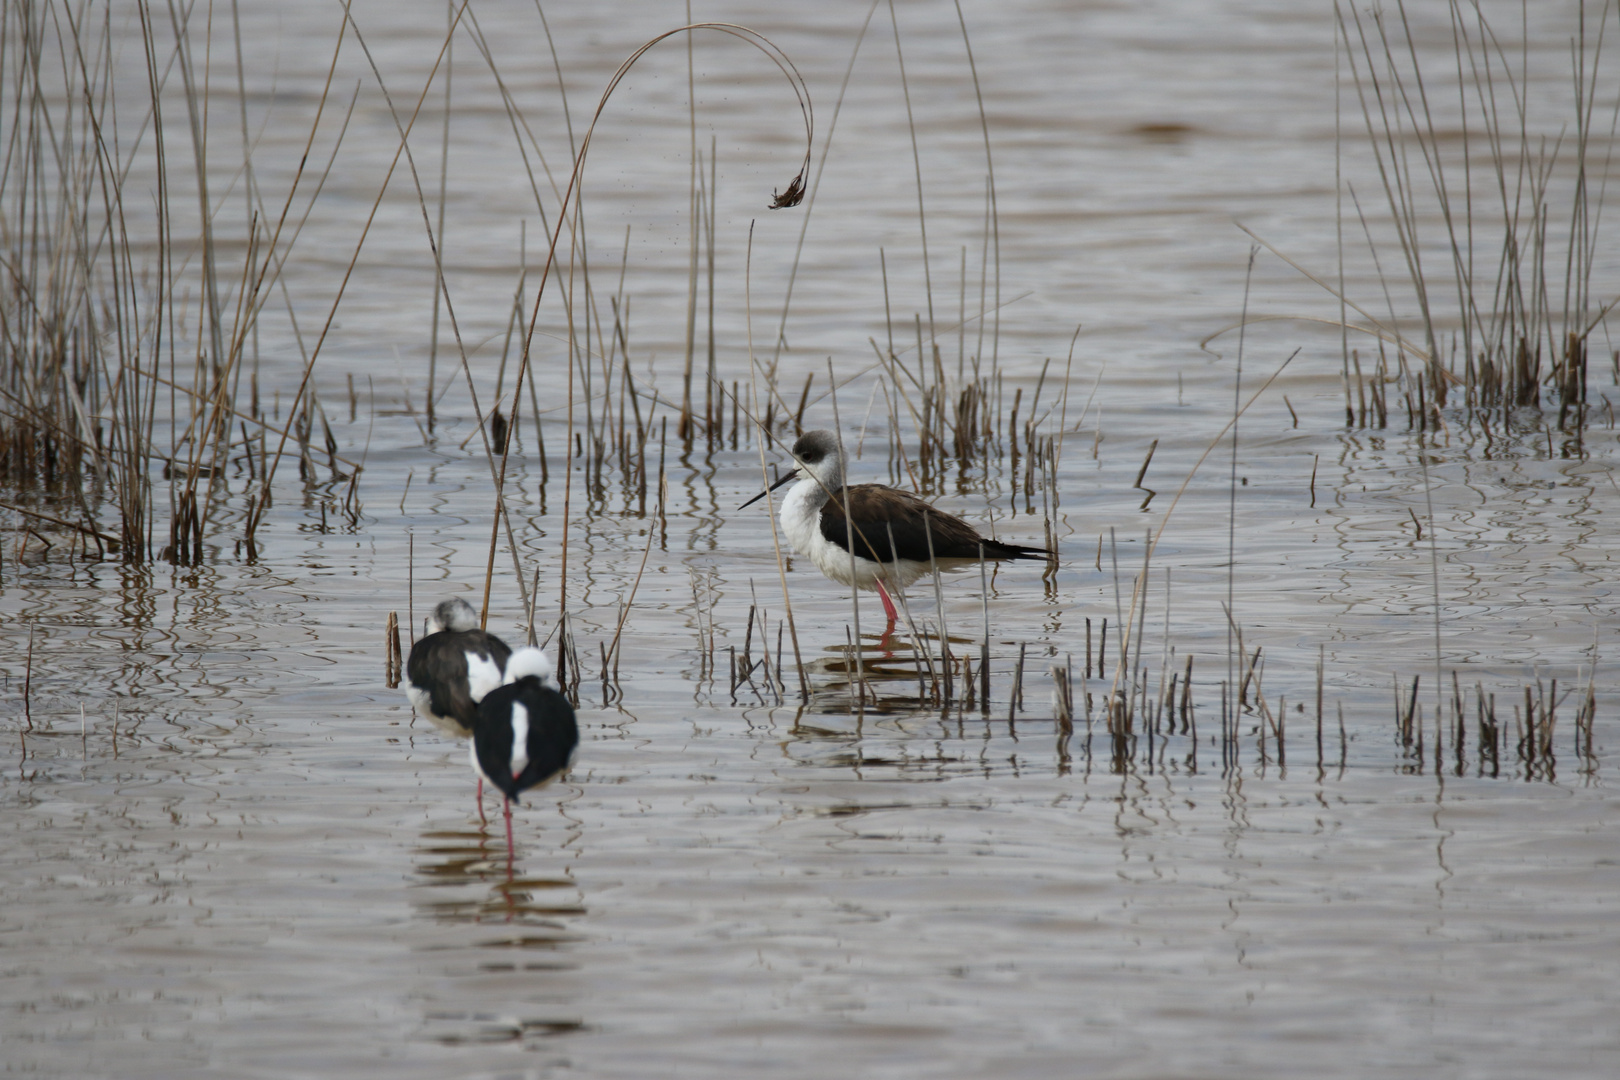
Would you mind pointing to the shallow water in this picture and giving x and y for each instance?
(248, 860)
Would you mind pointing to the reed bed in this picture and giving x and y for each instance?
(129, 326)
(1494, 198)
(1152, 724)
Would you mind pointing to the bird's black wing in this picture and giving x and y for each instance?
(498, 650)
(439, 667)
(438, 663)
(553, 734)
(889, 523)
(492, 737)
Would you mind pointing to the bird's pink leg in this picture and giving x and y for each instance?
(888, 605)
(508, 834)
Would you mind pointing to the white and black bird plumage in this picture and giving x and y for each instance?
(525, 733)
(897, 536)
(452, 668)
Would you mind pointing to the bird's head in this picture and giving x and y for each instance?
(815, 455)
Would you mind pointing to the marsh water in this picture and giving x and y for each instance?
(229, 850)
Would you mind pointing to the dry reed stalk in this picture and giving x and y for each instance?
(572, 195)
(1158, 534)
(1510, 321)
(916, 160)
(394, 665)
(683, 430)
(90, 336)
(404, 130)
(810, 203)
(993, 233)
(849, 530)
(256, 513)
(611, 653)
(1016, 697)
(439, 289)
(1062, 698)
(1189, 721)
(1141, 590)
(28, 680)
(984, 647)
(776, 539)
(939, 607)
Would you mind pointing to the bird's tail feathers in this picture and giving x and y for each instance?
(997, 549)
(529, 661)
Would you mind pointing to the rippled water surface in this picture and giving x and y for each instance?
(230, 851)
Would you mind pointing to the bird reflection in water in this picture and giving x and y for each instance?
(494, 922)
(473, 879)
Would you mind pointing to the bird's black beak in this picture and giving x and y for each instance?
(792, 474)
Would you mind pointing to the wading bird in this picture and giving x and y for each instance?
(525, 733)
(897, 537)
(452, 668)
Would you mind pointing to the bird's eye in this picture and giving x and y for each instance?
(810, 457)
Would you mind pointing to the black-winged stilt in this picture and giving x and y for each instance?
(897, 536)
(525, 733)
(451, 669)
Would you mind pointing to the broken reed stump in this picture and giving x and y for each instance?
(395, 662)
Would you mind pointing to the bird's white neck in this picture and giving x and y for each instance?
(801, 513)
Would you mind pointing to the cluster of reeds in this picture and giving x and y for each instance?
(128, 326)
(80, 338)
(763, 676)
(927, 443)
(1529, 739)
(1150, 726)
(1108, 693)
(1142, 716)
(1496, 212)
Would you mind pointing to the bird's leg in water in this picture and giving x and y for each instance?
(509, 833)
(888, 605)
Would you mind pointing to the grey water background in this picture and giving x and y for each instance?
(247, 859)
